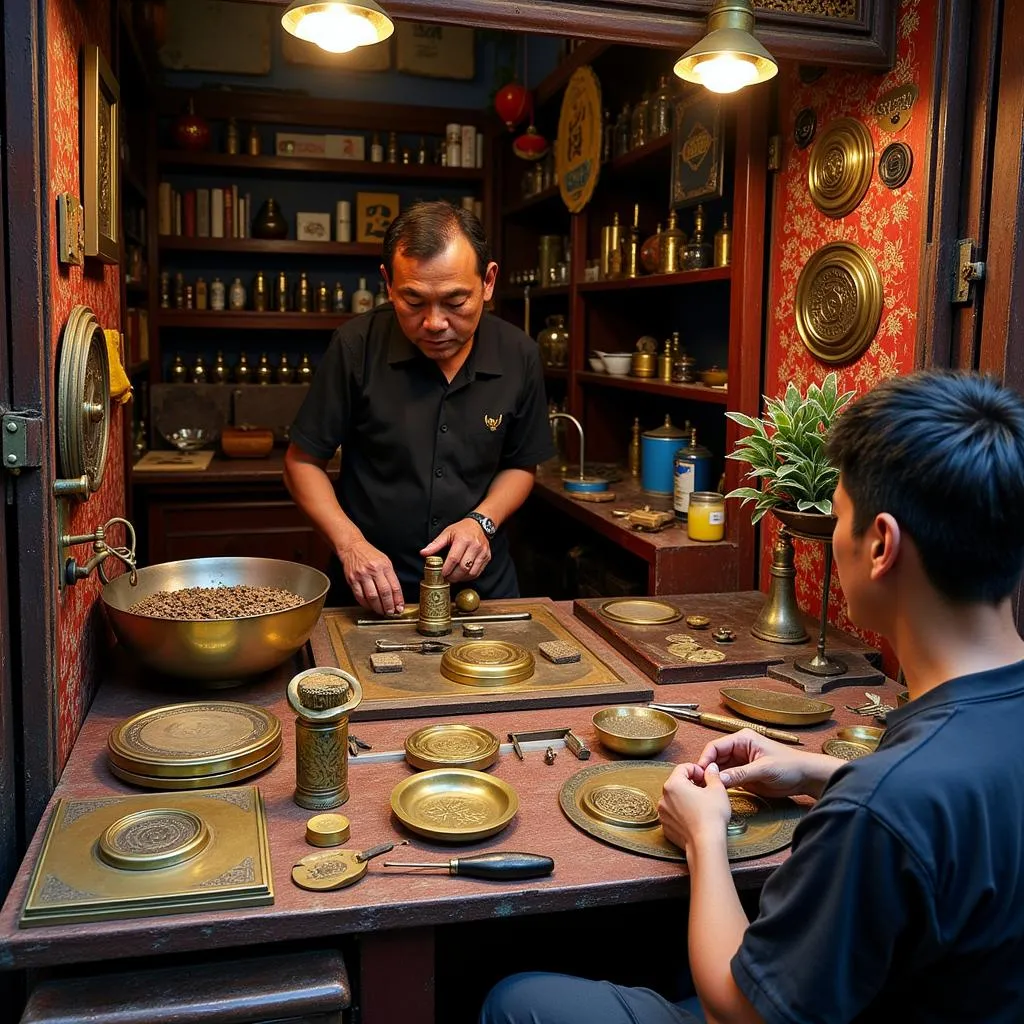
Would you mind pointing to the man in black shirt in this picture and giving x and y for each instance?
(903, 898)
(440, 413)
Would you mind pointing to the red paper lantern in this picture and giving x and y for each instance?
(531, 145)
(191, 131)
(512, 103)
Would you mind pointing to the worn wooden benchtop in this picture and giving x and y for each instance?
(587, 873)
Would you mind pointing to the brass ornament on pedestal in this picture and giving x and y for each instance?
(838, 302)
(840, 167)
(780, 620)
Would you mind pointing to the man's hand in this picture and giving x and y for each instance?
(372, 578)
(469, 550)
(694, 806)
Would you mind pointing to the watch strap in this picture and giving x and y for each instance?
(486, 523)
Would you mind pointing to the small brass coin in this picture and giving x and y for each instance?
(704, 656)
(682, 651)
(698, 621)
(681, 638)
(467, 601)
(327, 830)
(320, 872)
(846, 749)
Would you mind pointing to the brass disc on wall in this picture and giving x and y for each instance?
(838, 302)
(840, 168)
(895, 164)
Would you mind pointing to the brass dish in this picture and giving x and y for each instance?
(714, 377)
(158, 837)
(487, 663)
(454, 805)
(222, 650)
(200, 781)
(774, 707)
(452, 746)
(633, 731)
(848, 750)
(838, 302)
(194, 740)
(640, 611)
(759, 826)
(869, 735)
(840, 167)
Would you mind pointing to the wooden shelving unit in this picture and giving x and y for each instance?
(233, 320)
(272, 246)
(650, 386)
(682, 279)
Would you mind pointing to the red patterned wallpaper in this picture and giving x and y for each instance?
(887, 223)
(69, 26)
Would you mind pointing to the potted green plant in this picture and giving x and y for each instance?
(786, 454)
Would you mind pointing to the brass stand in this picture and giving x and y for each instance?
(780, 620)
(822, 664)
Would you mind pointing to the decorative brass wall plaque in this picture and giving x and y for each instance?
(805, 127)
(487, 663)
(893, 108)
(454, 805)
(895, 164)
(578, 147)
(612, 802)
(838, 302)
(139, 856)
(840, 167)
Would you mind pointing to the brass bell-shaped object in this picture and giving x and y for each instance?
(780, 620)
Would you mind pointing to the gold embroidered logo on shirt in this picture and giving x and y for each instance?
(493, 422)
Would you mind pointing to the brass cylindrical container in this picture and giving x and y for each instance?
(435, 618)
(281, 305)
(302, 294)
(611, 241)
(670, 253)
(723, 243)
(549, 253)
(259, 292)
(644, 364)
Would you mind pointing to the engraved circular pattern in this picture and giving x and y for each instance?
(774, 707)
(840, 167)
(683, 651)
(838, 302)
(846, 749)
(487, 663)
(805, 127)
(321, 872)
(703, 656)
(895, 164)
(154, 838)
(454, 745)
(454, 804)
(681, 638)
(622, 805)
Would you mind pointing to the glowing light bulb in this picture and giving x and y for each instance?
(336, 28)
(725, 72)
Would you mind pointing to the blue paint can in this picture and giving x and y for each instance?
(657, 457)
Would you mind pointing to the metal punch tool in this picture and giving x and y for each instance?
(418, 646)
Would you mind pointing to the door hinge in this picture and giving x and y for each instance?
(774, 152)
(967, 271)
(22, 447)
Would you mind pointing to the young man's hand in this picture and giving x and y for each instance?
(694, 807)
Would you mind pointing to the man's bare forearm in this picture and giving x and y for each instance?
(309, 485)
(508, 490)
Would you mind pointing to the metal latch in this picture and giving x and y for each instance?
(967, 271)
(22, 441)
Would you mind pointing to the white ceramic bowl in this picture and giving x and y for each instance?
(618, 363)
(597, 364)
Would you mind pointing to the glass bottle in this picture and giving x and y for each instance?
(189, 297)
(139, 440)
(259, 292)
(684, 367)
(219, 374)
(392, 148)
(406, 155)
(381, 297)
(692, 472)
(706, 518)
(217, 294)
(659, 114)
(179, 292)
(179, 372)
(323, 298)
(421, 155)
(697, 253)
(281, 297)
(236, 296)
(638, 123)
(199, 371)
(285, 373)
(670, 249)
(202, 297)
(302, 294)
(376, 150)
(231, 140)
(665, 362)
(264, 374)
(243, 371)
(631, 257)
(362, 298)
(723, 243)
(621, 145)
(255, 144)
(165, 290)
(338, 298)
(304, 372)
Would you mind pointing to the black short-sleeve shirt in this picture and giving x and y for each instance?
(418, 452)
(904, 895)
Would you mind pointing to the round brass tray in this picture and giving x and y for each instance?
(848, 750)
(627, 806)
(454, 805)
(774, 707)
(159, 837)
(452, 746)
(759, 826)
(487, 663)
(640, 611)
(198, 781)
(838, 302)
(200, 739)
(840, 167)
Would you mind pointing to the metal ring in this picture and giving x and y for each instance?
(469, 564)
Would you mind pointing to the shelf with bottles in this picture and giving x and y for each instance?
(249, 320)
(284, 246)
(674, 280)
(238, 370)
(518, 292)
(546, 201)
(655, 386)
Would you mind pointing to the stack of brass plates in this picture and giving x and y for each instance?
(454, 805)
(640, 611)
(487, 663)
(452, 746)
(619, 804)
(194, 746)
(774, 707)
(139, 856)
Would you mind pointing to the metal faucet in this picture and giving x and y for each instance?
(579, 427)
(73, 572)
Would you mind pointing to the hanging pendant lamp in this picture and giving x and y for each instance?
(338, 27)
(729, 57)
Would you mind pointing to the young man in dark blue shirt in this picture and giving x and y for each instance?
(903, 898)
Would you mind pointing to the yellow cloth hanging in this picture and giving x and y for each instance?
(120, 385)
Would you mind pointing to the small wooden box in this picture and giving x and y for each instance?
(247, 442)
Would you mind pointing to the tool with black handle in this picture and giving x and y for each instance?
(497, 867)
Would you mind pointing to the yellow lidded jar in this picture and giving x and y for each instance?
(706, 520)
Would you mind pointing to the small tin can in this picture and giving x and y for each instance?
(657, 452)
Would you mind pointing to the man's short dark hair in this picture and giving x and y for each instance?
(425, 230)
(943, 453)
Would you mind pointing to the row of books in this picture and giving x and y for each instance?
(203, 212)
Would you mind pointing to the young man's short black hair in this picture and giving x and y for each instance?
(425, 230)
(943, 453)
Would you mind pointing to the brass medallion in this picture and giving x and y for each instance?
(454, 805)
(893, 108)
(452, 746)
(322, 872)
(895, 164)
(199, 781)
(758, 826)
(704, 656)
(681, 638)
(578, 146)
(774, 707)
(838, 302)
(683, 651)
(840, 167)
(805, 127)
(640, 611)
(848, 750)
(487, 663)
(158, 837)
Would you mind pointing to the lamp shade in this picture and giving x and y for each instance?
(338, 27)
(729, 57)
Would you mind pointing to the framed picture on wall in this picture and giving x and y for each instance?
(100, 134)
(374, 213)
(698, 149)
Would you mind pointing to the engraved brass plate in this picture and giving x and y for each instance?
(199, 781)
(848, 750)
(452, 746)
(487, 663)
(895, 164)
(185, 741)
(893, 108)
(640, 611)
(840, 167)
(774, 707)
(838, 302)
(621, 805)
(454, 805)
(322, 872)
(73, 881)
(759, 826)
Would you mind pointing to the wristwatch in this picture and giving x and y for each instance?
(487, 524)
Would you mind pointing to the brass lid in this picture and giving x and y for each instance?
(453, 746)
(328, 830)
(640, 611)
(667, 431)
(487, 663)
(203, 738)
(626, 806)
(198, 781)
(320, 872)
(158, 837)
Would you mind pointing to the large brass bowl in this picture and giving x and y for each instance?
(216, 650)
(635, 731)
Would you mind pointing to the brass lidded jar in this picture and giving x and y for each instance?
(435, 613)
(673, 238)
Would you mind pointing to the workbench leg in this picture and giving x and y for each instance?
(397, 976)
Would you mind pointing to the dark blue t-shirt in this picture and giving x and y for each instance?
(904, 895)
